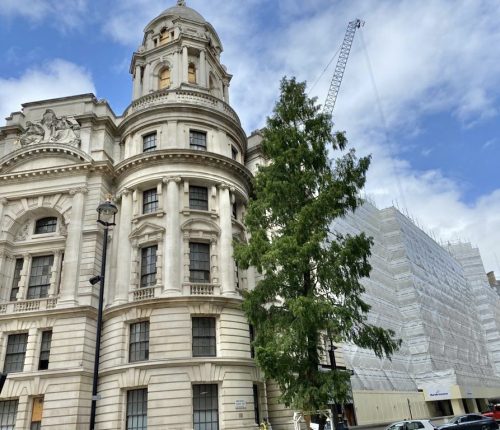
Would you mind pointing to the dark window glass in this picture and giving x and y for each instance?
(205, 407)
(46, 225)
(234, 153)
(149, 201)
(199, 262)
(8, 412)
(235, 210)
(17, 277)
(203, 337)
(41, 272)
(236, 275)
(139, 341)
(256, 403)
(198, 198)
(198, 140)
(148, 266)
(137, 409)
(37, 425)
(43, 364)
(16, 350)
(149, 142)
(252, 338)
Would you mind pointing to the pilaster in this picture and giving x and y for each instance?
(71, 271)
(124, 249)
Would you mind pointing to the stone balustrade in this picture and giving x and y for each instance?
(182, 96)
(28, 305)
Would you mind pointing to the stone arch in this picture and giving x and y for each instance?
(163, 64)
(21, 214)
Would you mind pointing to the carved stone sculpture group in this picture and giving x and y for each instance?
(51, 129)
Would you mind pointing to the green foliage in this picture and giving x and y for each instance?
(310, 274)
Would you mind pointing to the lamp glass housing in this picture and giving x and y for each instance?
(106, 213)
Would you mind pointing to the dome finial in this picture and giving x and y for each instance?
(181, 2)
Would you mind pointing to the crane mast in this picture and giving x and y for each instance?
(331, 98)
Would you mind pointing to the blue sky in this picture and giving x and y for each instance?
(421, 91)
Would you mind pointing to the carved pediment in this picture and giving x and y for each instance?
(51, 129)
(146, 232)
(40, 157)
(201, 225)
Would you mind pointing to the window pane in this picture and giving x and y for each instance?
(137, 409)
(17, 277)
(16, 350)
(205, 407)
(149, 201)
(198, 198)
(43, 364)
(164, 79)
(8, 412)
(256, 403)
(139, 341)
(149, 142)
(148, 266)
(46, 225)
(41, 272)
(204, 338)
(199, 262)
(198, 140)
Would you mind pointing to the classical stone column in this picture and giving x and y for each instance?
(69, 281)
(185, 64)
(124, 249)
(226, 265)
(137, 83)
(203, 69)
(146, 82)
(172, 243)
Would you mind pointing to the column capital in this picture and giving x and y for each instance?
(3, 201)
(78, 190)
(167, 179)
(123, 192)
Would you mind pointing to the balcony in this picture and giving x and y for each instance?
(28, 305)
(193, 97)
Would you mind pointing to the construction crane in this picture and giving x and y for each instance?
(331, 98)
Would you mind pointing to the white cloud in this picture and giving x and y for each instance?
(63, 14)
(55, 78)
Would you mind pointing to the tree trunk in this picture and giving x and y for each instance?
(307, 419)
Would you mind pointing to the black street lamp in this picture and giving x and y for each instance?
(106, 217)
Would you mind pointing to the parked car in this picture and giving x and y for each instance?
(493, 413)
(412, 425)
(470, 422)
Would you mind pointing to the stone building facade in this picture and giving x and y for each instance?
(175, 349)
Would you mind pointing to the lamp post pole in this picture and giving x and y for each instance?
(105, 210)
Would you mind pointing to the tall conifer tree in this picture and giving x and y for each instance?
(309, 284)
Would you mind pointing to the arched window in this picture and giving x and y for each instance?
(192, 73)
(164, 36)
(46, 225)
(164, 79)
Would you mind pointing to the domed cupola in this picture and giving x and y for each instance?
(180, 50)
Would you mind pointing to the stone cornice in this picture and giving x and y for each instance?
(180, 362)
(176, 301)
(137, 162)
